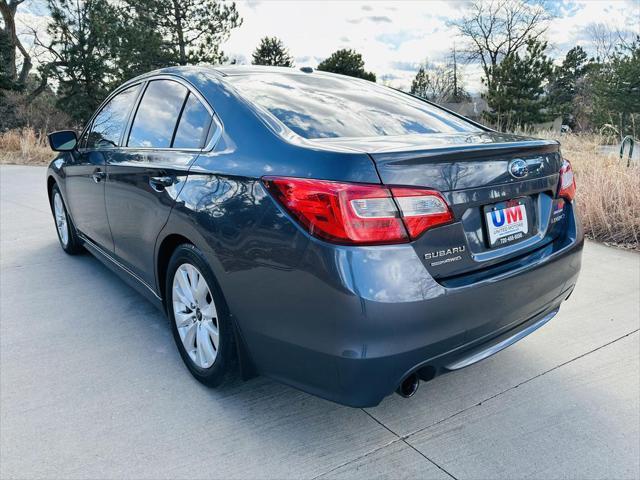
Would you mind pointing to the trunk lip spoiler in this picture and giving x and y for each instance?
(398, 145)
(529, 147)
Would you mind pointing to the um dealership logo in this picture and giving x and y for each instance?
(506, 215)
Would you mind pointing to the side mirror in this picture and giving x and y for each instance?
(63, 141)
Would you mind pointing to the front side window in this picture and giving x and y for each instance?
(108, 125)
(157, 115)
(194, 125)
(319, 106)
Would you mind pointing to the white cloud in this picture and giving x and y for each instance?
(570, 27)
(394, 37)
(386, 33)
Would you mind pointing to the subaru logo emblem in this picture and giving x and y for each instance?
(518, 168)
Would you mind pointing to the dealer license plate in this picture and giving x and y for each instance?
(507, 222)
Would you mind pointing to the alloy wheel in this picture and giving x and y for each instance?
(61, 219)
(196, 316)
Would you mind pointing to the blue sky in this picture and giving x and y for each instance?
(393, 36)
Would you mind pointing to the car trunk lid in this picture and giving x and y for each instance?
(488, 179)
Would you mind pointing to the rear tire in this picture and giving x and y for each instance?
(67, 235)
(200, 322)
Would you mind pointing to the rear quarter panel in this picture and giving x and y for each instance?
(255, 250)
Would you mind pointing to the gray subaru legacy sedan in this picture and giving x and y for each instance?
(339, 236)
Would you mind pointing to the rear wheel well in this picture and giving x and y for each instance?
(167, 247)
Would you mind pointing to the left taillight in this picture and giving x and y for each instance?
(421, 209)
(359, 214)
(567, 183)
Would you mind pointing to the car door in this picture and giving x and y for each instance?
(86, 171)
(167, 132)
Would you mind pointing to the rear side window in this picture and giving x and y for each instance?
(157, 115)
(194, 125)
(108, 125)
(321, 106)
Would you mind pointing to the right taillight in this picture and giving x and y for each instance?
(359, 214)
(567, 187)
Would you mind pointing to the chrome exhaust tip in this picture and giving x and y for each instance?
(409, 386)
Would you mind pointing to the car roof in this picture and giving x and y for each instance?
(199, 75)
(230, 71)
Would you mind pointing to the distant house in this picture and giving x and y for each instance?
(472, 109)
(554, 125)
(477, 106)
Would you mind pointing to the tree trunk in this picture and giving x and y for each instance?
(8, 34)
(38, 90)
(182, 59)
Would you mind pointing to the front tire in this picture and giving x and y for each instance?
(69, 240)
(199, 318)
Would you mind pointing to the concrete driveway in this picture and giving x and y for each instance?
(93, 387)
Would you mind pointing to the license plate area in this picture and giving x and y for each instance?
(508, 222)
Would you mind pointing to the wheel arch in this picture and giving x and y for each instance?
(51, 181)
(165, 250)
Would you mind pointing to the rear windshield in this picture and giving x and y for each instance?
(317, 106)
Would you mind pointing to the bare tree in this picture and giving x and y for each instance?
(606, 39)
(493, 29)
(434, 83)
(439, 83)
(458, 93)
(10, 44)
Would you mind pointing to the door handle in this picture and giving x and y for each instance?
(98, 175)
(160, 183)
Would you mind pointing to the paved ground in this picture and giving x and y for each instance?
(93, 387)
(615, 149)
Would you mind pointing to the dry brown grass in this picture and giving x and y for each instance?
(24, 147)
(608, 192)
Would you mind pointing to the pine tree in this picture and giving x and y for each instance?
(420, 84)
(272, 51)
(346, 62)
(516, 93)
(80, 53)
(97, 44)
(566, 82)
(192, 30)
(617, 90)
(137, 46)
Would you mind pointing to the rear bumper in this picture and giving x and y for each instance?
(367, 382)
(485, 350)
(350, 323)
